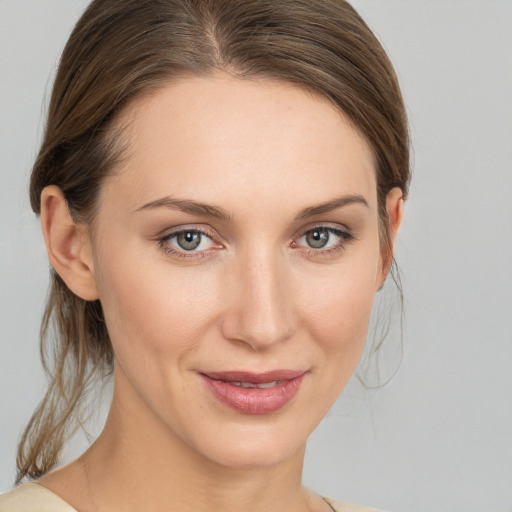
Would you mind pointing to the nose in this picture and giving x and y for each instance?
(260, 313)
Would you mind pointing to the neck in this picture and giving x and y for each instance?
(138, 464)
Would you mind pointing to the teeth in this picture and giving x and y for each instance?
(266, 385)
(261, 385)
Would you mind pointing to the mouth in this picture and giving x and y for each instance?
(249, 385)
(254, 393)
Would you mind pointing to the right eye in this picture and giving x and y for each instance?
(186, 242)
(190, 240)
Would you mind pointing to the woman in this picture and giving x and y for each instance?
(220, 187)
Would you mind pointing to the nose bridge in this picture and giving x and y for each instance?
(261, 312)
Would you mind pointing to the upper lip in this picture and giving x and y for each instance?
(253, 377)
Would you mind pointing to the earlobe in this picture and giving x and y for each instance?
(68, 244)
(395, 211)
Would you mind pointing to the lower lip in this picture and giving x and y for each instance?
(254, 400)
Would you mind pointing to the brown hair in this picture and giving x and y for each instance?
(120, 50)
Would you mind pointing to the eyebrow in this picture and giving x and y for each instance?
(329, 206)
(197, 208)
(187, 206)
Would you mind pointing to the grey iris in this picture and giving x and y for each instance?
(188, 240)
(317, 238)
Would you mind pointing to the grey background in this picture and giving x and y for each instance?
(438, 437)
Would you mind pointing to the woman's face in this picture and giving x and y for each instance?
(236, 256)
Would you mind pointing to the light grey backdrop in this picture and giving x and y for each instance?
(438, 438)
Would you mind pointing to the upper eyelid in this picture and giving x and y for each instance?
(325, 225)
(343, 233)
(164, 242)
(169, 232)
(210, 233)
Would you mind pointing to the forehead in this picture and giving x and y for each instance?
(217, 138)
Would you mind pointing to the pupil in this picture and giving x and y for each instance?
(189, 240)
(317, 238)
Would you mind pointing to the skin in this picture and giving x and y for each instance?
(254, 296)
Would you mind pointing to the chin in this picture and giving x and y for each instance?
(253, 455)
(253, 446)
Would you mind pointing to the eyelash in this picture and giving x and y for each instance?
(163, 243)
(345, 236)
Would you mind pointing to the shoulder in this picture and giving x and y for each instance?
(32, 497)
(344, 506)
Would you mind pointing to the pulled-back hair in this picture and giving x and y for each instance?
(120, 50)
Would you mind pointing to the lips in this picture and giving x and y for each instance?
(254, 393)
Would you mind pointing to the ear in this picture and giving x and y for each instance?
(68, 244)
(395, 211)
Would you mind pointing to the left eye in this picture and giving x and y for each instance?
(190, 240)
(322, 238)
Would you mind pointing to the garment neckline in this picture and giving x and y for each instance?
(57, 497)
(328, 503)
(54, 495)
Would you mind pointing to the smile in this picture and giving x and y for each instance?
(252, 393)
(263, 385)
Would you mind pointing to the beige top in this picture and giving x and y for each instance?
(33, 497)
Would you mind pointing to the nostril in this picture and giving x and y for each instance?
(258, 328)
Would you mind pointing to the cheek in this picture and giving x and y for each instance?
(336, 314)
(151, 311)
(338, 310)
